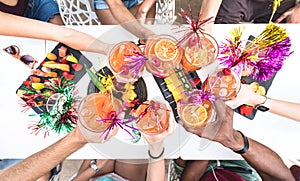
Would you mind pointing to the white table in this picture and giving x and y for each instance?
(278, 133)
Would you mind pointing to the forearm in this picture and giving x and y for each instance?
(127, 20)
(210, 8)
(286, 109)
(265, 161)
(156, 167)
(29, 28)
(145, 6)
(43, 161)
(81, 41)
(283, 108)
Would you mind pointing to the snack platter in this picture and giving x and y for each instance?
(71, 69)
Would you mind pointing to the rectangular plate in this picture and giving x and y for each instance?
(184, 80)
(77, 74)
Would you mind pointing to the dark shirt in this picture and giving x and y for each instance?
(18, 9)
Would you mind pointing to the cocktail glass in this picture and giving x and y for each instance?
(196, 111)
(199, 50)
(163, 55)
(224, 83)
(152, 117)
(94, 107)
(121, 63)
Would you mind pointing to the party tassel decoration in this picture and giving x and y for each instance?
(200, 48)
(63, 115)
(114, 121)
(134, 64)
(276, 4)
(260, 57)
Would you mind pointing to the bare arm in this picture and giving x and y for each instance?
(43, 161)
(286, 109)
(11, 25)
(283, 108)
(266, 162)
(156, 167)
(209, 8)
(144, 8)
(127, 20)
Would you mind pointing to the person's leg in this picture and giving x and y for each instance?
(133, 170)
(232, 12)
(43, 10)
(103, 13)
(194, 169)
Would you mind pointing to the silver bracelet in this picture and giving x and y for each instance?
(94, 166)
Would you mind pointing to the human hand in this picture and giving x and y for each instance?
(245, 96)
(291, 16)
(221, 130)
(90, 136)
(159, 138)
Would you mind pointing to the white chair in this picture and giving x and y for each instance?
(80, 12)
(77, 12)
(165, 11)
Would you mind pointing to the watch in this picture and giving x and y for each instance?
(94, 166)
(264, 106)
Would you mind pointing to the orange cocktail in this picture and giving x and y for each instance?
(119, 58)
(163, 55)
(94, 107)
(195, 113)
(199, 51)
(224, 83)
(153, 117)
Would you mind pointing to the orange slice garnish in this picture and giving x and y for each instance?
(165, 49)
(194, 115)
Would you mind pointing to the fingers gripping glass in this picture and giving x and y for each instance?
(15, 52)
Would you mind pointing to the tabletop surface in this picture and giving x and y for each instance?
(278, 133)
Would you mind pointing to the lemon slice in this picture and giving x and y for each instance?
(165, 49)
(196, 55)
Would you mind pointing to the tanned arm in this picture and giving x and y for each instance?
(11, 25)
(43, 161)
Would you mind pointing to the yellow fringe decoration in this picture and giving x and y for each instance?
(271, 34)
(237, 34)
(276, 4)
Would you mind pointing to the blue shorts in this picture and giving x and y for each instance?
(8, 162)
(42, 10)
(101, 4)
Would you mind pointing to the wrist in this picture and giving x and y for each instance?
(259, 99)
(93, 165)
(246, 145)
(156, 147)
(236, 142)
(156, 150)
